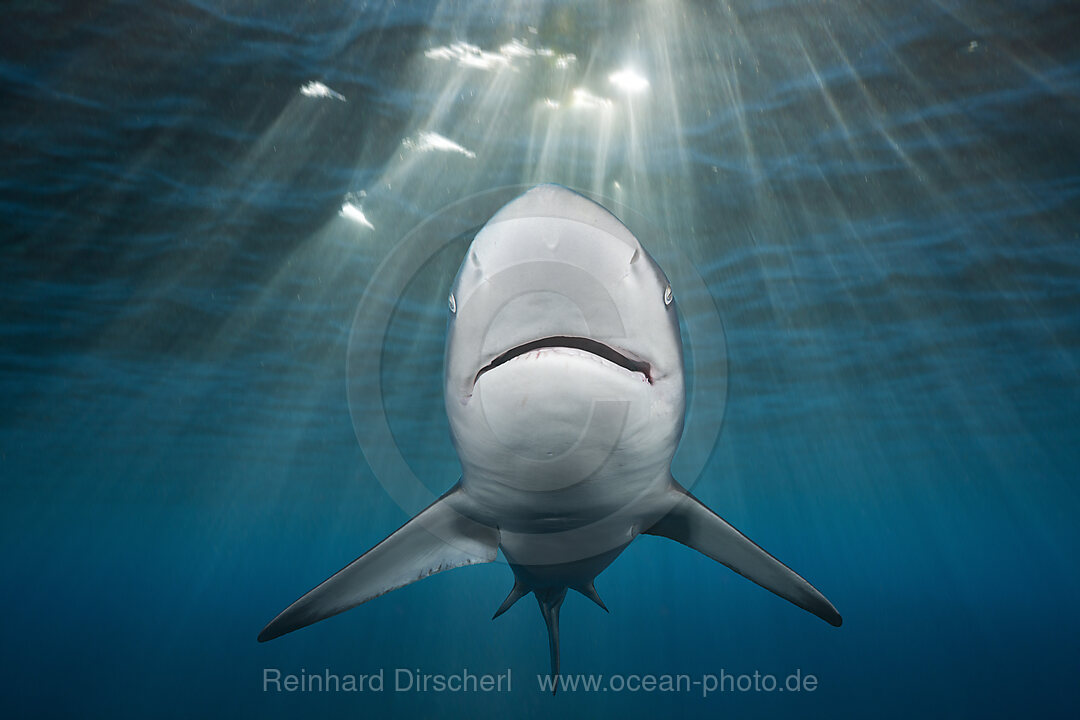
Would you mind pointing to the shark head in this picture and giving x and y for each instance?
(563, 351)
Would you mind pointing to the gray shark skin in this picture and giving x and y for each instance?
(565, 394)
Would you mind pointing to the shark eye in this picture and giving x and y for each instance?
(668, 297)
(453, 304)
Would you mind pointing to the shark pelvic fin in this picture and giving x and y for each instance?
(691, 523)
(441, 537)
(589, 591)
(550, 601)
(516, 593)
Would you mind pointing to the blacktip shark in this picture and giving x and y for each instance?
(565, 395)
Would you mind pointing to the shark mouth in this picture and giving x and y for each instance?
(593, 347)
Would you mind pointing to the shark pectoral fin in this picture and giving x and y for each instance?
(694, 525)
(441, 537)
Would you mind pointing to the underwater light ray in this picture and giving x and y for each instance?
(826, 92)
(965, 398)
(959, 398)
(261, 173)
(919, 96)
(169, 343)
(481, 103)
(983, 34)
(653, 142)
(735, 102)
(629, 81)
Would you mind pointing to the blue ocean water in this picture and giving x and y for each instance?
(881, 199)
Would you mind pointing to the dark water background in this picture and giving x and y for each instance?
(882, 198)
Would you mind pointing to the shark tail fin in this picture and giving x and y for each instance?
(691, 523)
(550, 601)
(441, 537)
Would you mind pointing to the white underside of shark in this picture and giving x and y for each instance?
(565, 394)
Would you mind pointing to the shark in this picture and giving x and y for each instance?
(565, 393)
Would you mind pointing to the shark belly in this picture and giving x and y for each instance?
(569, 453)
